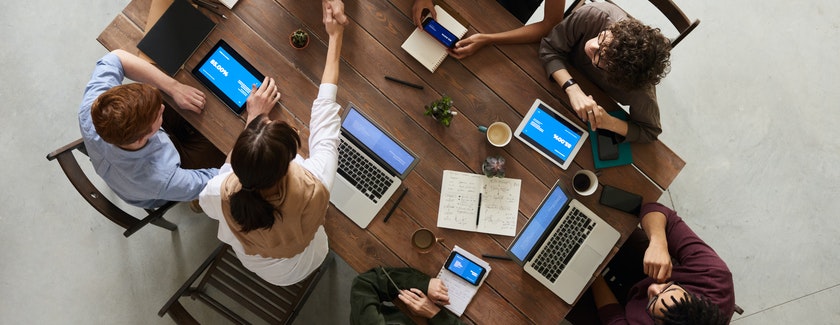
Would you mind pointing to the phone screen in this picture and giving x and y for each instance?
(440, 33)
(468, 270)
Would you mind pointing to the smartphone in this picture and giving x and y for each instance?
(439, 32)
(620, 199)
(607, 145)
(464, 268)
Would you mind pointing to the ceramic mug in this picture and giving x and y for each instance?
(498, 133)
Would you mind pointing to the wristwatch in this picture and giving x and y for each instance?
(568, 84)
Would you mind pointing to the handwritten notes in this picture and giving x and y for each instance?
(475, 202)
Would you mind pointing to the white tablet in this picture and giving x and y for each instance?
(551, 134)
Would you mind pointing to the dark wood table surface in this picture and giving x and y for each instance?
(495, 84)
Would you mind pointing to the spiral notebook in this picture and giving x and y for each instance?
(425, 48)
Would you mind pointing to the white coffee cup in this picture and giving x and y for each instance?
(585, 182)
(498, 133)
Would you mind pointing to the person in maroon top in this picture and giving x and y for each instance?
(696, 288)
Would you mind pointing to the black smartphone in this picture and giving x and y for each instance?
(620, 199)
(607, 145)
(443, 35)
(464, 268)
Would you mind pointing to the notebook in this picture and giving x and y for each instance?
(425, 48)
(551, 134)
(371, 166)
(563, 244)
(460, 291)
(169, 43)
(625, 154)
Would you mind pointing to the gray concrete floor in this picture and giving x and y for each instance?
(747, 105)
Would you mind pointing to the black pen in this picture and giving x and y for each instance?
(394, 207)
(212, 5)
(403, 82)
(505, 258)
(207, 6)
(478, 213)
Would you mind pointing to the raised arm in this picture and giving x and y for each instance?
(140, 70)
(336, 32)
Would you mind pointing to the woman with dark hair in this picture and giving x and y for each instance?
(271, 202)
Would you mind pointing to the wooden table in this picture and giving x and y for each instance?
(494, 84)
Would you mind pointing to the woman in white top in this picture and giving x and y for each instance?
(270, 201)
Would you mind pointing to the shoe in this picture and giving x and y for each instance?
(195, 207)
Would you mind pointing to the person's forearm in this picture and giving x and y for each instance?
(654, 224)
(602, 294)
(331, 68)
(526, 34)
(140, 70)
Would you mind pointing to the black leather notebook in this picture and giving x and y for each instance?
(176, 35)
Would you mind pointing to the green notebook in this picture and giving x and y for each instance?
(625, 155)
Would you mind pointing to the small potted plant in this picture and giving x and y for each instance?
(299, 39)
(441, 110)
(494, 166)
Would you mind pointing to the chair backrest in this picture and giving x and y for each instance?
(94, 197)
(675, 15)
(226, 274)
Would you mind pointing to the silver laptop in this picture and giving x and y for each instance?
(371, 166)
(563, 244)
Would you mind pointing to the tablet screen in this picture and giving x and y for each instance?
(228, 76)
(550, 133)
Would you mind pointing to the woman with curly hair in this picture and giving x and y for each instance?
(622, 56)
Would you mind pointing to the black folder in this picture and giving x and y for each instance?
(175, 36)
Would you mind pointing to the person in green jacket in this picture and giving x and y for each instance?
(372, 292)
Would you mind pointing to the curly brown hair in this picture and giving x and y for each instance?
(637, 56)
(124, 114)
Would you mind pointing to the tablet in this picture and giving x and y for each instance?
(228, 76)
(551, 134)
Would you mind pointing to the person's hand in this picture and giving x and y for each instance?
(337, 10)
(331, 22)
(657, 261)
(438, 292)
(599, 118)
(187, 97)
(262, 99)
(468, 46)
(417, 11)
(582, 103)
(418, 303)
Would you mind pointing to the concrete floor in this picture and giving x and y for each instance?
(747, 106)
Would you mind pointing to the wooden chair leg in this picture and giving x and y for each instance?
(180, 315)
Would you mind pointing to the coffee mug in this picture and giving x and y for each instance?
(498, 133)
(585, 182)
(423, 239)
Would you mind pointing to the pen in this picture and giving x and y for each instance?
(478, 213)
(403, 82)
(207, 6)
(505, 258)
(394, 207)
(212, 5)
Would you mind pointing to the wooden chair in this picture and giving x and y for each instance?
(82, 183)
(668, 8)
(226, 274)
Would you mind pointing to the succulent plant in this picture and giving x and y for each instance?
(494, 166)
(441, 110)
(299, 38)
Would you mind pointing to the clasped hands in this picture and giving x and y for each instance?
(426, 305)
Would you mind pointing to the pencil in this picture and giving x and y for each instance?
(394, 207)
(403, 82)
(496, 257)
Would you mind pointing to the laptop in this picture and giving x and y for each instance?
(371, 166)
(563, 244)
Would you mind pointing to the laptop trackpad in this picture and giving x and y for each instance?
(586, 261)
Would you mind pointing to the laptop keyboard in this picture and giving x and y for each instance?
(362, 173)
(561, 247)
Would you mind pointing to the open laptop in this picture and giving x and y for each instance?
(371, 166)
(563, 244)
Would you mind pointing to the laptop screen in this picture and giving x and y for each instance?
(543, 218)
(551, 134)
(368, 134)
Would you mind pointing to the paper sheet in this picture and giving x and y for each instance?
(460, 291)
(459, 203)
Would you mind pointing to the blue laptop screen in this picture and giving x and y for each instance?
(550, 133)
(377, 141)
(227, 74)
(542, 219)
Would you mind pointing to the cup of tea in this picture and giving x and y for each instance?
(585, 182)
(498, 133)
(423, 239)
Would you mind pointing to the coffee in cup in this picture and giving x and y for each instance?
(423, 239)
(498, 133)
(585, 182)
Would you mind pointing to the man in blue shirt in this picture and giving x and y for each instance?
(121, 127)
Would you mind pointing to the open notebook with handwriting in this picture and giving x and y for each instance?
(474, 202)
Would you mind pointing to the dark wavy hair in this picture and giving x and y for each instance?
(637, 56)
(260, 158)
(692, 310)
